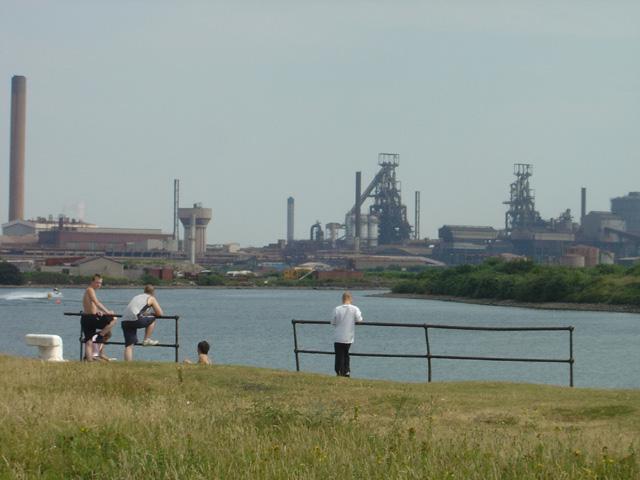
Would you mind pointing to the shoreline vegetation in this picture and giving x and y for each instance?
(581, 307)
(161, 420)
(522, 283)
(10, 276)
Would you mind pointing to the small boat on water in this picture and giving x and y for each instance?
(32, 295)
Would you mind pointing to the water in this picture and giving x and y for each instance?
(253, 327)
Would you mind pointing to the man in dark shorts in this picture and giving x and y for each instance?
(140, 313)
(94, 316)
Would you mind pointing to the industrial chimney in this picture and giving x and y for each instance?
(176, 207)
(18, 128)
(583, 204)
(290, 211)
(416, 227)
(356, 236)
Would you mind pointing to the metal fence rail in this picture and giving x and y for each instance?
(175, 346)
(429, 356)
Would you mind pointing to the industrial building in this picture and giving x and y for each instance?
(64, 234)
(384, 223)
(375, 226)
(465, 244)
(112, 240)
(628, 208)
(86, 266)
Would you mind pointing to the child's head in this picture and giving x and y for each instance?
(203, 347)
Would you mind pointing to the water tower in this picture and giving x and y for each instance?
(195, 221)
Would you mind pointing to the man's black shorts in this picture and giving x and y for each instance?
(130, 328)
(90, 323)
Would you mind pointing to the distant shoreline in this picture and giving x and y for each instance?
(581, 307)
(199, 287)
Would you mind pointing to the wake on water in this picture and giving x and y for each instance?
(30, 295)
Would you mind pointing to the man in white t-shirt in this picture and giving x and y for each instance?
(138, 314)
(345, 317)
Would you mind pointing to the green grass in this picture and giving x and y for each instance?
(153, 420)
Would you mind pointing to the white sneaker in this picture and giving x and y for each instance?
(148, 342)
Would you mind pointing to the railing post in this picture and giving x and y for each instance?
(571, 356)
(426, 336)
(81, 344)
(177, 344)
(295, 345)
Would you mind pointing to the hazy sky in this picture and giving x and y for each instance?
(248, 103)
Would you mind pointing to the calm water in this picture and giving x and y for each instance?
(253, 327)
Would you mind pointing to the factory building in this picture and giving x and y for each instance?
(464, 243)
(609, 232)
(386, 222)
(18, 228)
(602, 227)
(107, 267)
(106, 239)
(628, 208)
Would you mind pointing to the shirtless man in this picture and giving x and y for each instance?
(94, 316)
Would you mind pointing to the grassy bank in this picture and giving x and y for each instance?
(150, 420)
(524, 281)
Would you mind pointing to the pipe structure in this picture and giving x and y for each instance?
(176, 207)
(290, 212)
(416, 228)
(192, 239)
(583, 204)
(17, 148)
(356, 236)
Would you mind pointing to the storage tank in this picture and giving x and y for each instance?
(372, 230)
(591, 254)
(350, 226)
(349, 222)
(572, 260)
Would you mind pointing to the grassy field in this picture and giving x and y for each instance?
(161, 420)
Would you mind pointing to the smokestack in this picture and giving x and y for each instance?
(18, 129)
(416, 228)
(290, 211)
(356, 236)
(176, 206)
(583, 204)
(192, 239)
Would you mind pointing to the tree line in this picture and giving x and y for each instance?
(525, 281)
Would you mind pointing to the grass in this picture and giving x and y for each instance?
(159, 420)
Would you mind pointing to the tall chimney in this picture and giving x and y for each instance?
(18, 128)
(356, 235)
(416, 228)
(583, 204)
(176, 207)
(290, 211)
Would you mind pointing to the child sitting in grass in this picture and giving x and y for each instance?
(203, 354)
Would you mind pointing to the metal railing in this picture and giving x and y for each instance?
(175, 346)
(429, 356)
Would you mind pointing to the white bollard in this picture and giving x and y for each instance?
(49, 346)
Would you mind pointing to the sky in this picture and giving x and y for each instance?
(250, 102)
